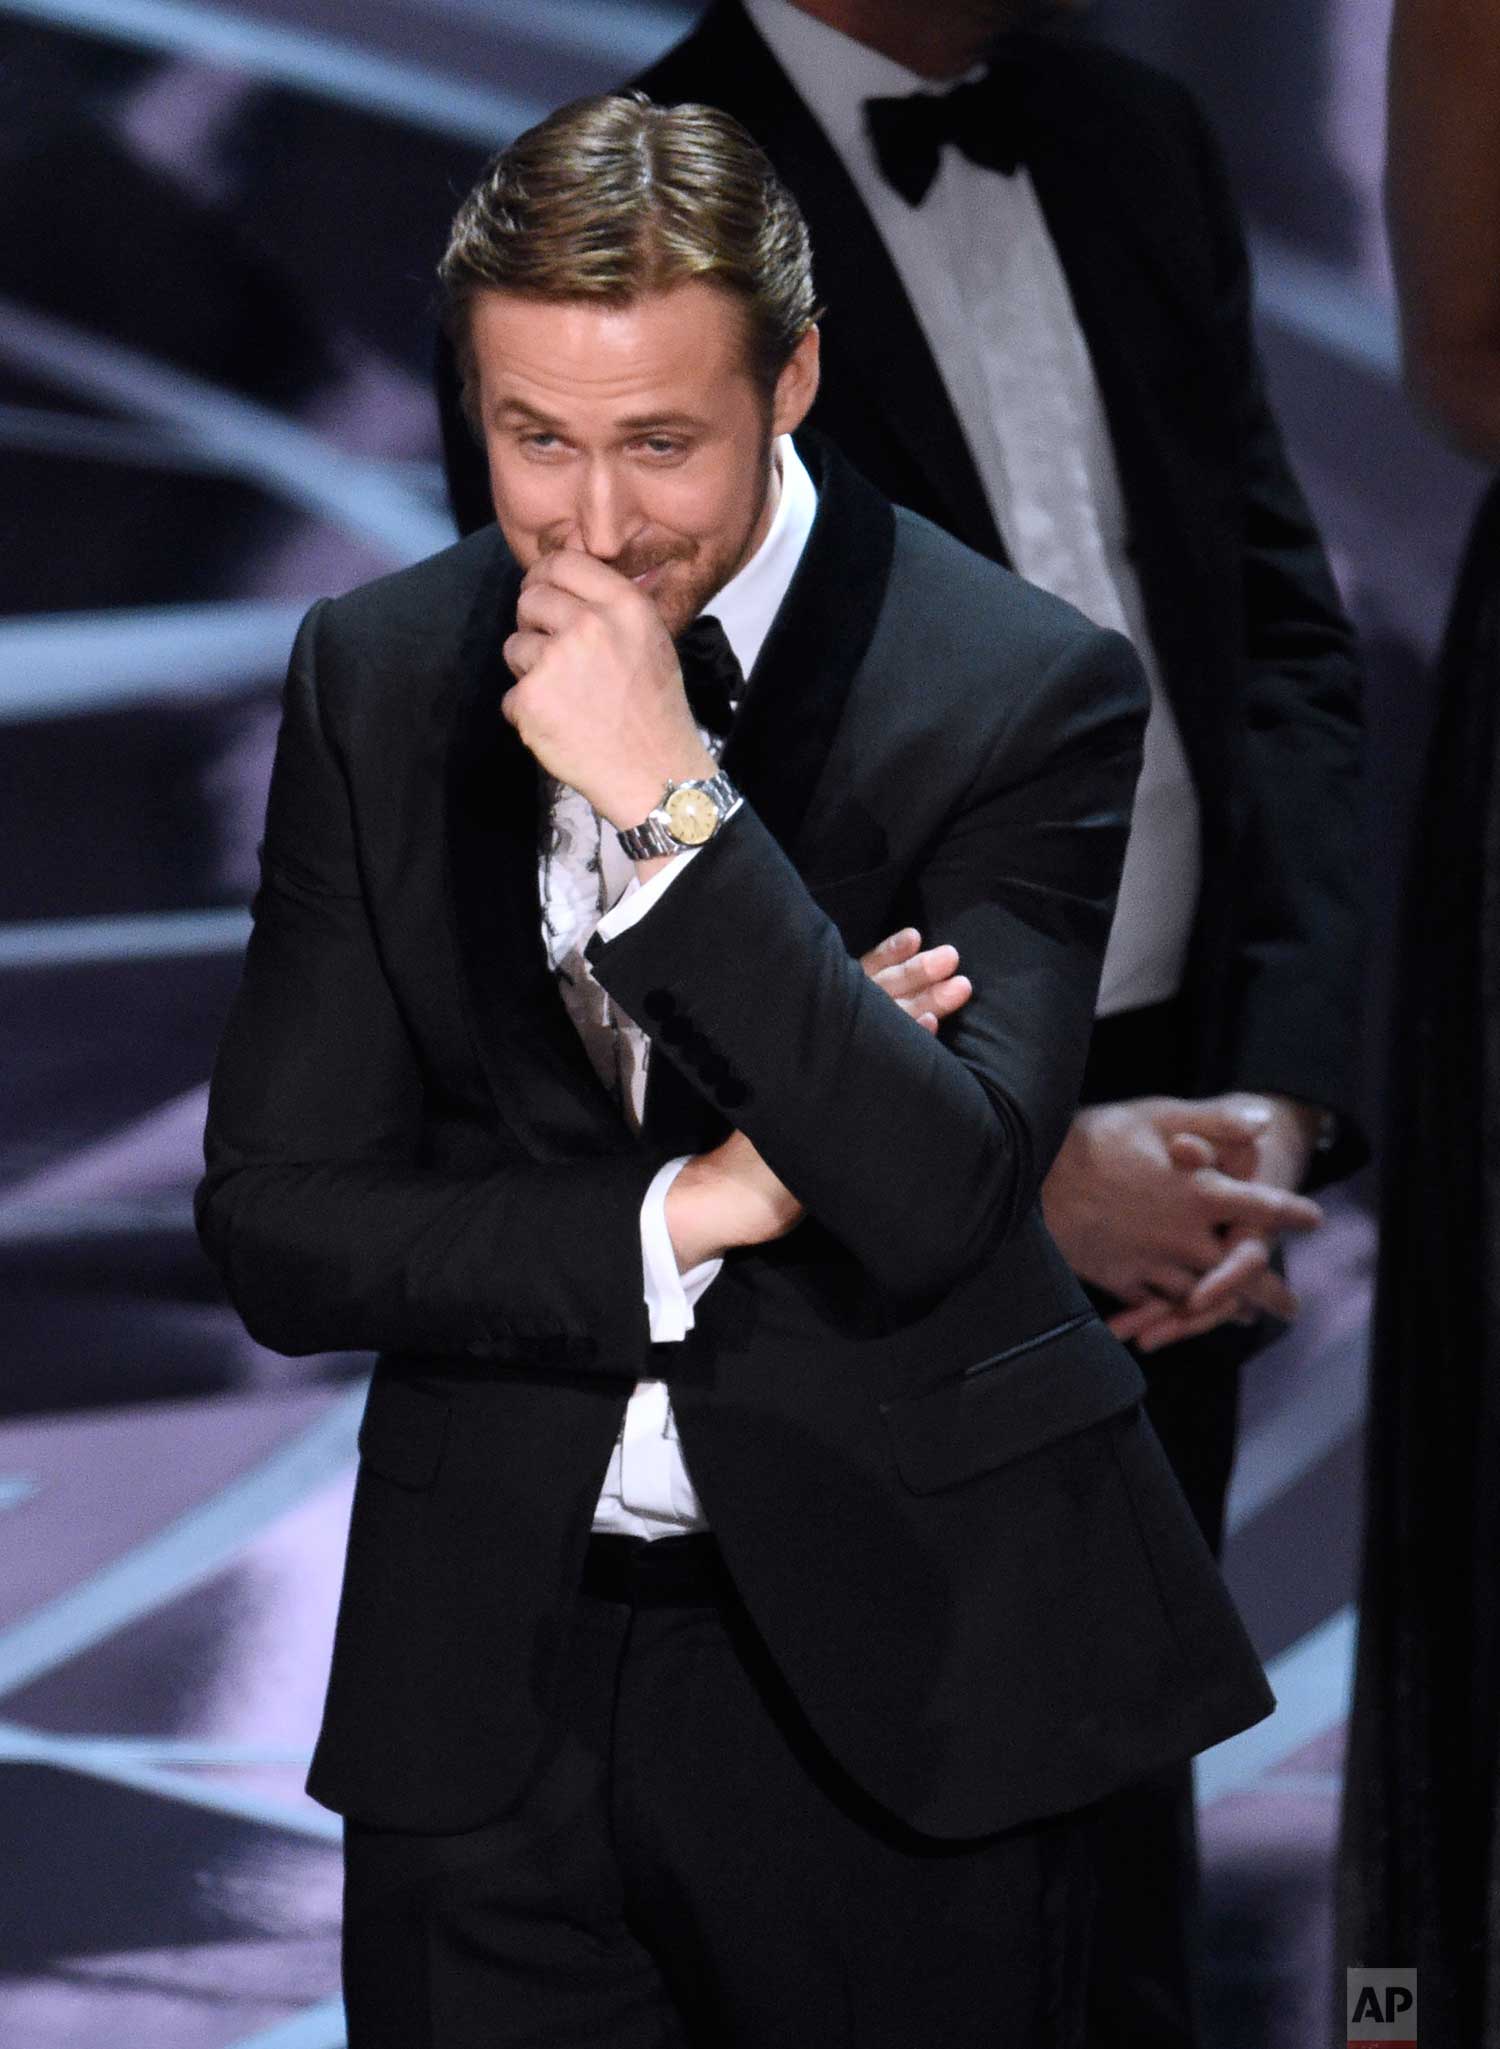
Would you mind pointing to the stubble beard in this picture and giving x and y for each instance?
(680, 603)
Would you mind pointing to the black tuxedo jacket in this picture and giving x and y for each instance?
(1253, 643)
(921, 1451)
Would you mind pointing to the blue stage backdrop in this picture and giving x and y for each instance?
(218, 226)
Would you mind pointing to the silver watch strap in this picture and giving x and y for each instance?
(644, 842)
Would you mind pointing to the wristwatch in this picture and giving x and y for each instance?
(688, 815)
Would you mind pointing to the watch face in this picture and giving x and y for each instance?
(692, 816)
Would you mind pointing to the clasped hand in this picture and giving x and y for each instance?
(1176, 1206)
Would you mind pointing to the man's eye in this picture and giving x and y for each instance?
(542, 442)
(661, 444)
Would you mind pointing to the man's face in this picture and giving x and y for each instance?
(634, 433)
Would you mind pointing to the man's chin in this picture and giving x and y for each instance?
(676, 607)
(680, 588)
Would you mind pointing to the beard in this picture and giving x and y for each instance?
(688, 586)
(695, 574)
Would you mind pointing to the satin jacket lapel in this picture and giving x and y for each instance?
(871, 336)
(793, 703)
(540, 1076)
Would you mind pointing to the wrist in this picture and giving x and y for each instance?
(701, 1213)
(1294, 1136)
(630, 799)
(685, 817)
(727, 1199)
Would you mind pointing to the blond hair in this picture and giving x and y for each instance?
(613, 197)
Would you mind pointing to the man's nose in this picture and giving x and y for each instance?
(605, 515)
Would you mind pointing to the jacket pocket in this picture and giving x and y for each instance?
(403, 1432)
(1043, 1388)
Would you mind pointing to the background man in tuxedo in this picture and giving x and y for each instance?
(1038, 334)
(772, 1731)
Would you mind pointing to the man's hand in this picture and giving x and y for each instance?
(927, 986)
(1244, 1284)
(598, 697)
(730, 1196)
(1175, 1206)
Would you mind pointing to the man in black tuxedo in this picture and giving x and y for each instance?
(759, 1557)
(1038, 335)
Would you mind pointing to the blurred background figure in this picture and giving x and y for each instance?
(1420, 1879)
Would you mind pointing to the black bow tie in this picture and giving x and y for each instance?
(984, 118)
(711, 674)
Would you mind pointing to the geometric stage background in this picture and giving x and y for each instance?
(217, 230)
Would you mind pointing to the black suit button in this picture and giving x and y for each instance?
(659, 1003)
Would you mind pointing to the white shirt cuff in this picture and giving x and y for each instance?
(670, 1295)
(640, 896)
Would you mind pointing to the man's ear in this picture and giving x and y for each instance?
(797, 386)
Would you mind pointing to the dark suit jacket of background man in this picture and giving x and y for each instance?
(1253, 645)
(920, 1451)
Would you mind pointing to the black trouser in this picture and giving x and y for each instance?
(1144, 1991)
(688, 1866)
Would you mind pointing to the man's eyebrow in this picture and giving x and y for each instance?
(517, 409)
(643, 423)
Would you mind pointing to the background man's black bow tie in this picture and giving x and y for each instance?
(984, 118)
(711, 674)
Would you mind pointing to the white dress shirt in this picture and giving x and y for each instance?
(589, 884)
(985, 283)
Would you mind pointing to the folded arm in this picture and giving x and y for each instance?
(919, 1153)
(729, 1196)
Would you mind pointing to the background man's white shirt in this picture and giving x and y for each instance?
(986, 285)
